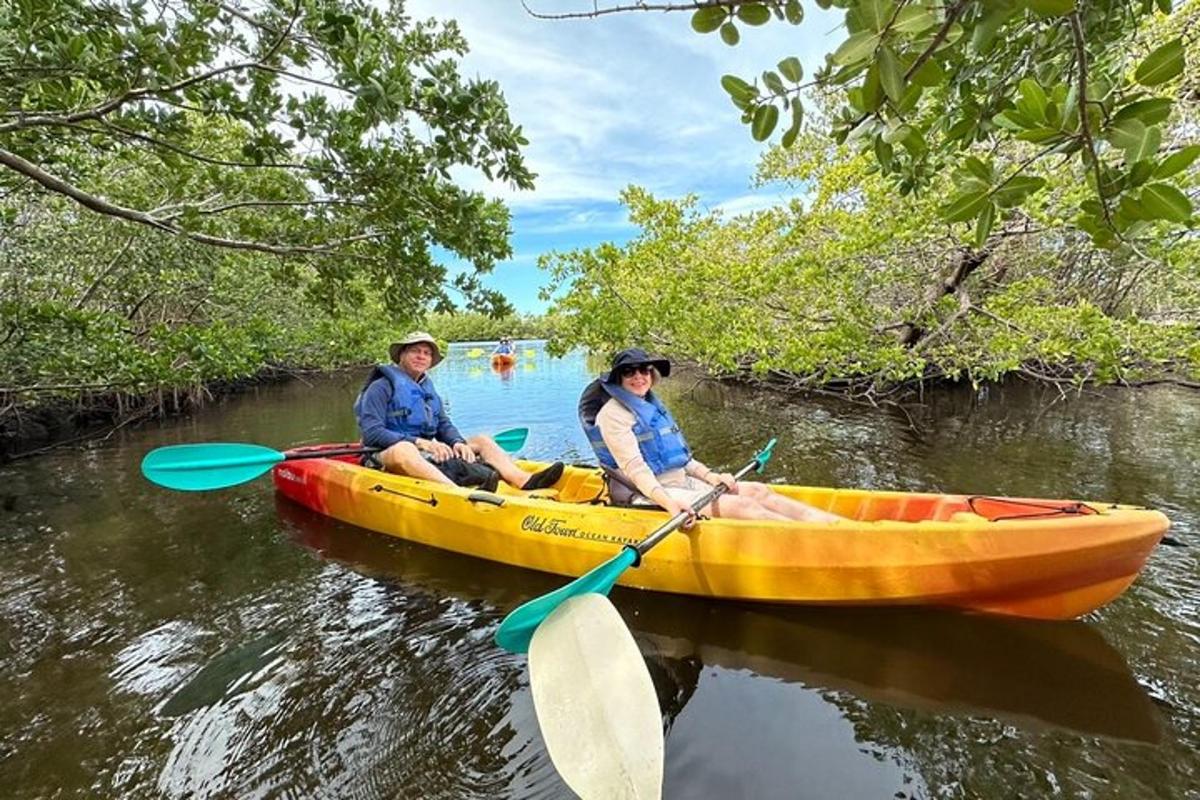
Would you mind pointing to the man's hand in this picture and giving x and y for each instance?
(464, 451)
(438, 450)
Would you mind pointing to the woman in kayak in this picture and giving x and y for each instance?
(643, 451)
(401, 413)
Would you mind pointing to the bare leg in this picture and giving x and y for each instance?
(490, 452)
(729, 506)
(405, 459)
(733, 506)
(785, 506)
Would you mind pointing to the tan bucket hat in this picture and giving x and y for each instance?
(414, 338)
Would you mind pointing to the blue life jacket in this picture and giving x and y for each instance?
(414, 408)
(659, 438)
(504, 350)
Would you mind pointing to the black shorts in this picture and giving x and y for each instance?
(474, 474)
(460, 472)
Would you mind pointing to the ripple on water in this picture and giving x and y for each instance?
(377, 689)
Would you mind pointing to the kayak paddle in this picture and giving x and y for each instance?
(595, 702)
(517, 628)
(216, 465)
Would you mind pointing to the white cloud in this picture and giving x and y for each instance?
(625, 99)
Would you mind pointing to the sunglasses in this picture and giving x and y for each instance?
(644, 369)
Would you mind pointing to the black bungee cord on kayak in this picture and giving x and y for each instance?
(1046, 509)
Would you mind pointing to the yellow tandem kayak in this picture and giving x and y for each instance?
(1048, 559)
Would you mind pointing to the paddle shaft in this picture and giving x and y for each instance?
(341, 451)
(673, 524)
(203, 467)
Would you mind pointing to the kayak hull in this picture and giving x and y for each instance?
(503, 360)
(894, 548)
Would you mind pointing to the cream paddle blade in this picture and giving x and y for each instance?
(595, 702)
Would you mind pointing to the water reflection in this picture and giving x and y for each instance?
(139, 649)
(1032, 674)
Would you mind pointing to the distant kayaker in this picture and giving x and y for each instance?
(647, 459)
(505, 347)
(400, 411)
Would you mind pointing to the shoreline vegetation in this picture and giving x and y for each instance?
(40, 417)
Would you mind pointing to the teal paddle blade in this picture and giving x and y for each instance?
(511, 440)
(200, 467)
(516, 631)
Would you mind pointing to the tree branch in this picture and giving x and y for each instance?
(1084, 131)
(101, 206)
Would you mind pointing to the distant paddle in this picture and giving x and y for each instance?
(595, 702)
(216, 465)
(517, 628)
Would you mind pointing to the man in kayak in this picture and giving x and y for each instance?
(647, 459)
(505, 347)
(400, 412)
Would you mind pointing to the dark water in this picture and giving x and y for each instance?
(231, 644)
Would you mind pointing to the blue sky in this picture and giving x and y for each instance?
(625, 99)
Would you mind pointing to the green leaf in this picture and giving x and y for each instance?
(729, 34)
(983, 224)
(979, 169)
(791, 69)
(872, 89)
(1141, 172)
(1014, 192)
(794, 12)
(789, 136)
(708, 19)
(986, 30)
(963, 207)
(929, 74)
(1177, 161)
(1162, 65)
(1052, 8)
(1146, 148)
(1126, 133)
(754, 14)
(1164, 201)
(1150, 111)
(765, 119)
(737, 87)
(897, 133)
(797, 113)
(913, 19)
(884, 153)
(1033, 100)
(1040, 135)
(875, 13)
(891, 75)
(771, 81)
(856, 48)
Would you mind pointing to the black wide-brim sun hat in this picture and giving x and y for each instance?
(632, 357)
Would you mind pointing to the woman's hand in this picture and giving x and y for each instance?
(464, 451)
(439, 450)
(674, 507)
(718, 478)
